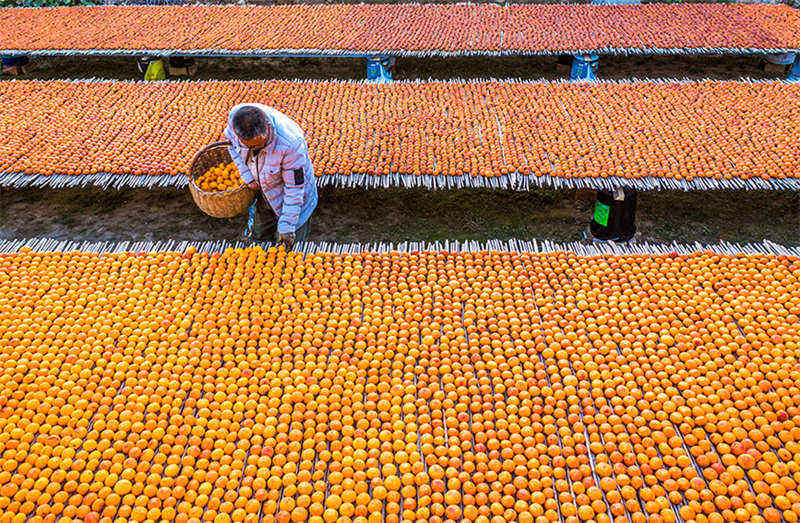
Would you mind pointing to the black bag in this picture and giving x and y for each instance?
(614, 215)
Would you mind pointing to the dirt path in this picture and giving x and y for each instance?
(534, 67)
(399, 215)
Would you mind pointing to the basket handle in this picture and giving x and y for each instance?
(225, 143)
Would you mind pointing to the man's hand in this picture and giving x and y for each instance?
(254, 185)
(286, 239)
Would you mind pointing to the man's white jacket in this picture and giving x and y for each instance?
(283, 168)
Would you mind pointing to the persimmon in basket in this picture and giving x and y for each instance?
(220, 178)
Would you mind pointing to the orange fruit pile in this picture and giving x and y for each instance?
(478, 386)
(221, 177)
(679, 130)
(419, 29)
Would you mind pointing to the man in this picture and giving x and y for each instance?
(271, 154)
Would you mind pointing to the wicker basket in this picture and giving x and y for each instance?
(223, 204)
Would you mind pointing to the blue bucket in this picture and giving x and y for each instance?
(584, 67)
(794, 72)
(380, 69)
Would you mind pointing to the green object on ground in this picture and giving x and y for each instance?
(155, 71)
(601, 212)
